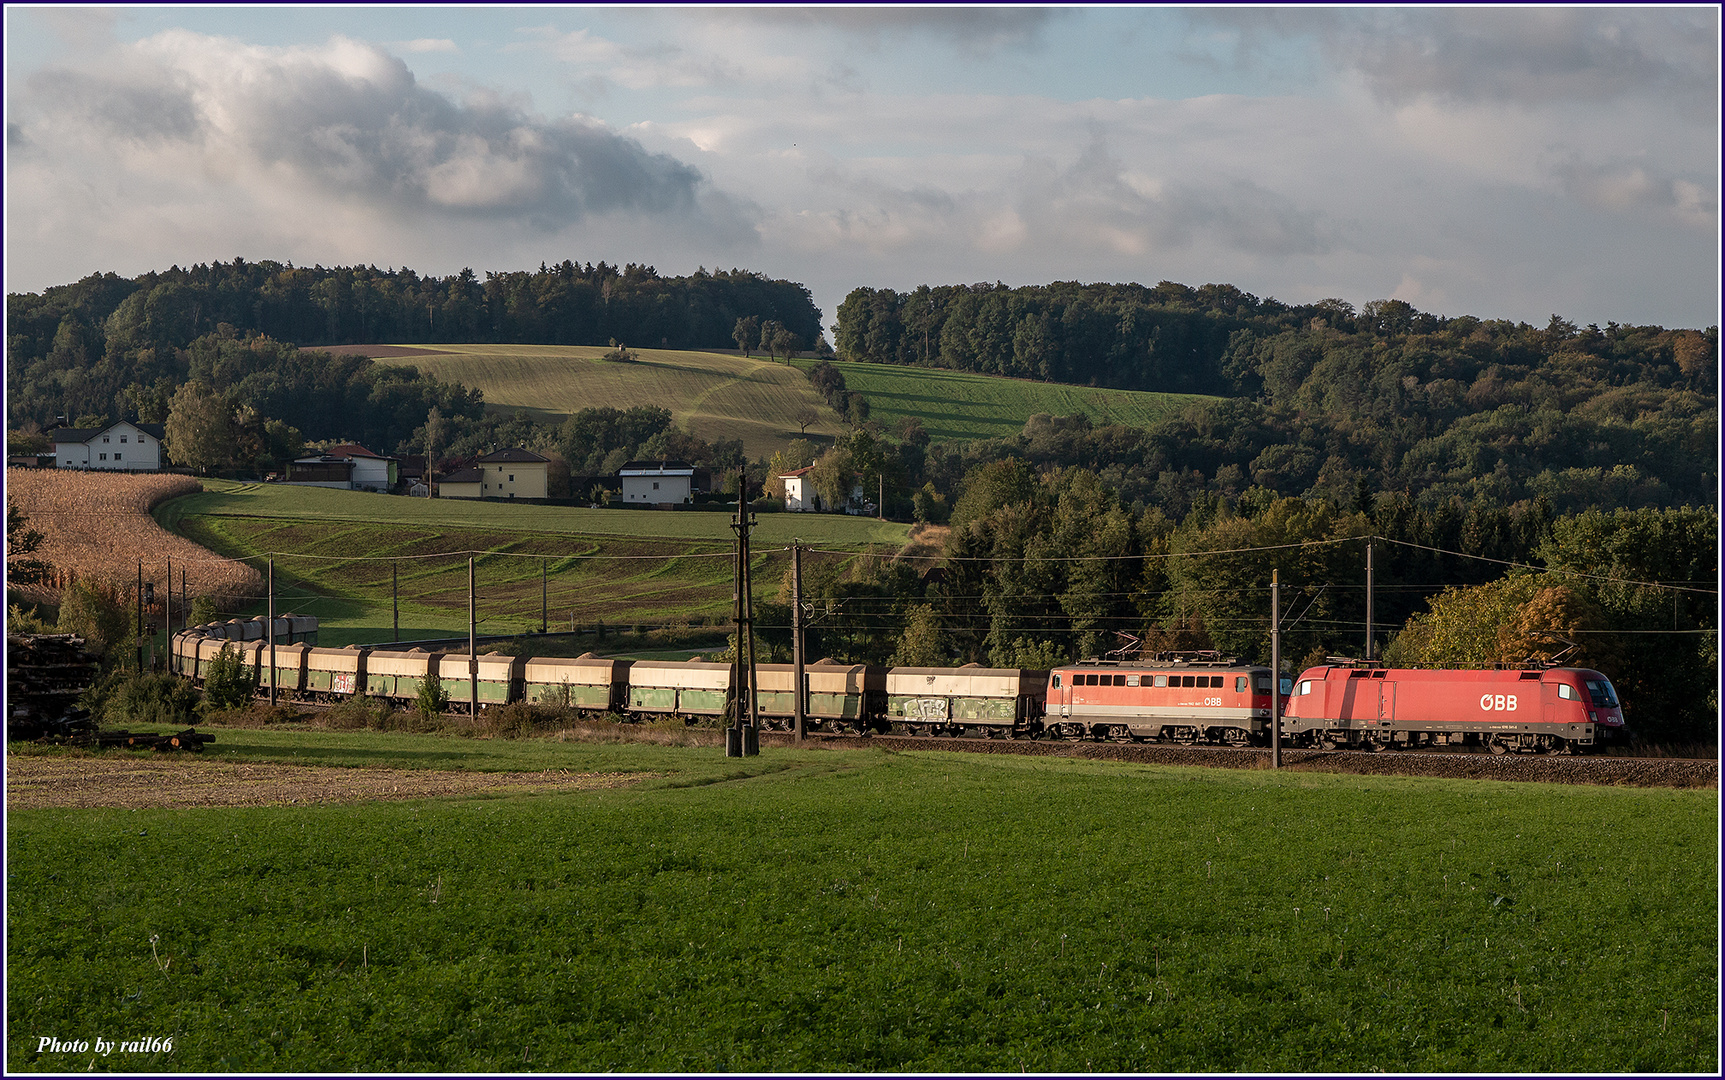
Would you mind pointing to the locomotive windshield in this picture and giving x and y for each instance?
(1602, 694)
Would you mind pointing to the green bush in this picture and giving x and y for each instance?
(151, 699)
(228, 684)
(433, 699)
(359, 712)
(95, 617)
(523, 718)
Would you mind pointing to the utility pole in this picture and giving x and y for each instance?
(544, 593)
(801, 708)
(272, 626)
(472, 646)
(140, 616)
(1369, 647)
(395, 595)
(1275, 669)
(742, 738)
(168, 610)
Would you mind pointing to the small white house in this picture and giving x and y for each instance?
(799, 493)
(125, 446)
(657, 483)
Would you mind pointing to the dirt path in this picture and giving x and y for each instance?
(135, 784)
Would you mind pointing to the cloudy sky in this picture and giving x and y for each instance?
(1500, 162)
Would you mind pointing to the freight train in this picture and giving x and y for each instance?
(1186, 698)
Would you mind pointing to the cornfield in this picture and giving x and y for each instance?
(97, 526)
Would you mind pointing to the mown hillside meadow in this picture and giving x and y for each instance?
(826, 910)
(717, 396)
(712, 395)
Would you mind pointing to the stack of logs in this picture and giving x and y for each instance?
(45, 676)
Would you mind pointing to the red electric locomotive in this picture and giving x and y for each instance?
(1539, 710)
(1183, 697)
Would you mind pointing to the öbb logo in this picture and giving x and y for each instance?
(1497, 702)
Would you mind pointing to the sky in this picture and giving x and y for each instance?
(1510, 162)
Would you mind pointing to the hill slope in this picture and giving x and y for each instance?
(719, 396)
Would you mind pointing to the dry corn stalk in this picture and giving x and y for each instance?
(97, 526)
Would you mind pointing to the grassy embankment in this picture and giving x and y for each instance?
(720, 396)
(336, 552)
(854, 910)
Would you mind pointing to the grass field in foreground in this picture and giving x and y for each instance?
(350, 557)
(856, 910)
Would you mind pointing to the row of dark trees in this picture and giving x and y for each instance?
(109, 347)
(1045, 568)
(1322, 398)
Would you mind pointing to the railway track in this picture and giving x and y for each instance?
(1442, 763)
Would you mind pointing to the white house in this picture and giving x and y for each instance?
(799, 493)
(124, 446)
(371, 472)
(657, 483)
(349, 465)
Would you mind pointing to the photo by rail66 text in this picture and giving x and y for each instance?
(154, 1044)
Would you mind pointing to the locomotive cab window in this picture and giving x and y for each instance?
(1056, 682)
(1305, 687)
(1567, 692)
(1602, 694)
(1263, 684)
(1240, 684)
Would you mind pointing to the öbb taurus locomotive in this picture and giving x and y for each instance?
(1185, 698)
(1525, 710)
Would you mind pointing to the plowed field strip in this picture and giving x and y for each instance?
(135, 784)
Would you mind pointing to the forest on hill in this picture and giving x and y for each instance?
(76, 349)
(1326, 397)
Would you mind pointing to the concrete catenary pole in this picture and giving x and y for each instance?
(272, 632)
(472, 645)
(1369, 646)
(1275, 670)
(797, 658)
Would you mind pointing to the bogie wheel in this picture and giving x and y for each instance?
(1497, 747)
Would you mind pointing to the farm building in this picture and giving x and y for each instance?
(461, 484)
(657, 483)
(124, 446)
(349, 465)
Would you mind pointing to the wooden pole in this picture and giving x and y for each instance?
(140, 616)
(395, 595)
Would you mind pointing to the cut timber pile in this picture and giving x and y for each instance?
(45, 675)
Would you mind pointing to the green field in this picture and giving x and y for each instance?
(719, 396)
(710, 394)
(962, 405)
(350, 558)
(856, 910)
